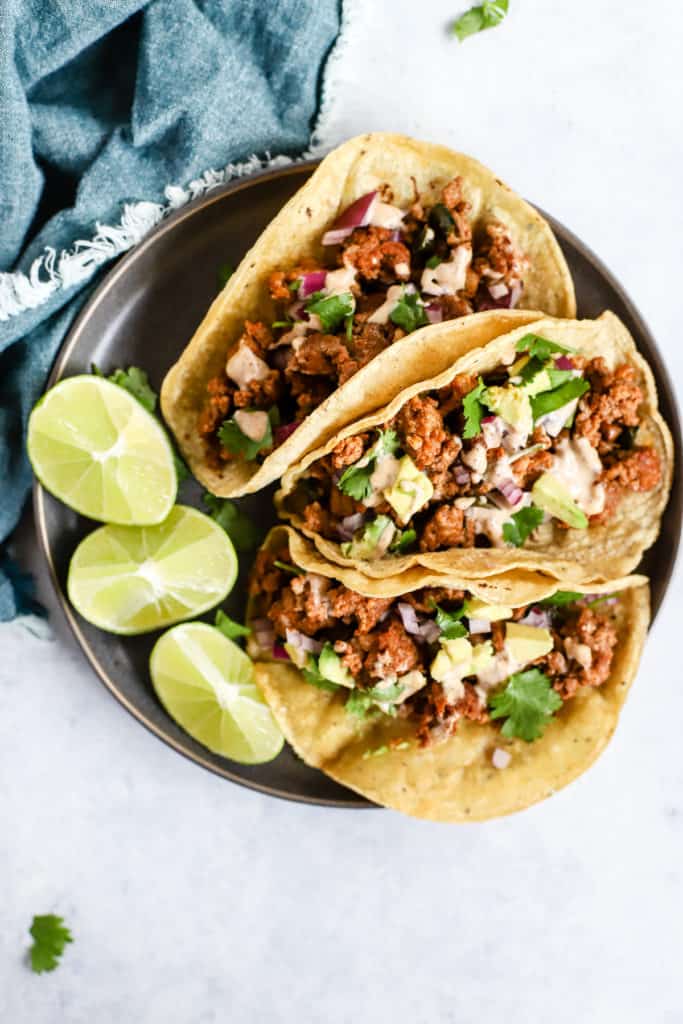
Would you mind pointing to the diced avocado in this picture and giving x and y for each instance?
(539, 382)
(482, 655)
(552, 496)
(513, 405)
(526, 643)
(297, 655)
(373, 542)
(410, 490)
(454, 656)
(475, 608)
(330, 667)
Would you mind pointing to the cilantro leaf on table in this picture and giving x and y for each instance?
(548, 401)
(50, 936)
(473, 409)
(225, 272)
(236, 441)
(135, 381)
(521, 525)
(229, 627)
(355, 480)
(360, 702)
(409, 312)
(538, 347)
(486, 15)
(181, 470)
(449, 622)
(527, 702)
(331, 309)
(560, 598)
(239, 527)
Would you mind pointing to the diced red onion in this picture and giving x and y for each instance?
(479, 625)
(500, 758)
(484, 300)
(303, 642)
(515, 294)
(280, 652)
(430, 631)
(564, 363)
(408, 618)
(395, 235)
(312, 281)
(461, 475)
(498, 290)
(434, 312)
(357, 215)
(511, 491)
(489, 419)
(349, 524)
(536, 617)
(285, 430)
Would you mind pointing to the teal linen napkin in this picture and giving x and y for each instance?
(107, 103)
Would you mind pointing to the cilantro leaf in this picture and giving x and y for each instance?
(136, 382)
(449, 622)
(50, 936)
(487, 15)
(355, 480)
(409, 312)
(237, 443)
(286, 567)
(541, 348)
(331, 309)
(527, 702)
(521, 525)
(241, 529)
(229, 627)
(225, 272)
(360, 702)
(433, 262)
(547, 401)
(403, 540)
(181, 470)
(560, 598)
(473, 410)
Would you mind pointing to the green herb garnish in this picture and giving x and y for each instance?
(360, 702)
(433, 261)
(560, 598)
(240, 527)
(355, 480)
(409, 312)
(403, 540)
(538, 347)
(286, 567)
(50, 936)
(133, 380)
(521, 525)
(473, 409)
(449, 622)
(237, 443)
(487, 15)
(225, 272)
(527, 703)
(229, 627)
(331, 309)
(548, 401)
(312, 674)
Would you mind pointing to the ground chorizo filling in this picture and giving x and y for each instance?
(483, 463)
(387, 272)
(434, 656)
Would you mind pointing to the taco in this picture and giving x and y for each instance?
(387, 236)
(542, 450)
(437, 702)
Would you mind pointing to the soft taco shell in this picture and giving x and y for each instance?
(353, 169)
(600, 552)
(453, 781)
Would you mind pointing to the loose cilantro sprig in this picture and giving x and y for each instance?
(487, 15)
(527, 703)
(355, 480)
(409, 312)
(225, 272)
(229, 627)
(473, 409)
(242, 531)
(331, 309)
(50, 936)
(521, 525)
(449, 622)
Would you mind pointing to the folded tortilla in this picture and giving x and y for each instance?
(600, 552)
(455, 780)
(351, 170)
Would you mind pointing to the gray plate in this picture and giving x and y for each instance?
(143, 314)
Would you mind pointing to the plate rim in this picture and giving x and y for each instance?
(110, 279)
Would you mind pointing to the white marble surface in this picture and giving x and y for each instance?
(195, 901)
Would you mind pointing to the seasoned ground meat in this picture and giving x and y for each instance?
(280, 279)
(598, 634)
(342, 505)
(308, 391)
(498, 636)
(439, 719)
(303, 605)
(460, 210)
(390, 652)
(318, 354)
(424, 600)
(528, 469)
(348, 451)
(351, 656)
(421, 427)
(260, 393)
(216, 408)
(316, 518)
(454, 306)
(370, 339)
(257, 336)
(451, 396)
(445, 529)
(499, 253)
(266, 578)
(611, 404)
(347, 605)
(375, 255)
(640, 470)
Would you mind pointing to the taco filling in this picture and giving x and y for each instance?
(386, 272)
(487, 462)
(434, 656)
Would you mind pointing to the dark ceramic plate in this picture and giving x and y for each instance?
(143, 314)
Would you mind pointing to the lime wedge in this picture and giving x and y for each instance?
(131, 579)
(94, 447)
(206, 683)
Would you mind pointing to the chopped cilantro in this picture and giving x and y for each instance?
(237, 443)
(377, 752)
(225, 272)
(527, 702)
(286, 567)
(348, 325)
(449, 622)
(294, 285)
(473, 409)
(487, 15)
(521, 525)
(50, 936)
(229, 627)
(440, 218)
(355, 480)
(240, 527)
(331, 309)
(282, 323)
(547, 401)
(560, 598)
(536, 366)
(433, 261)
(403, 540)
(541, 348)
(409, 312)
(360, 702)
